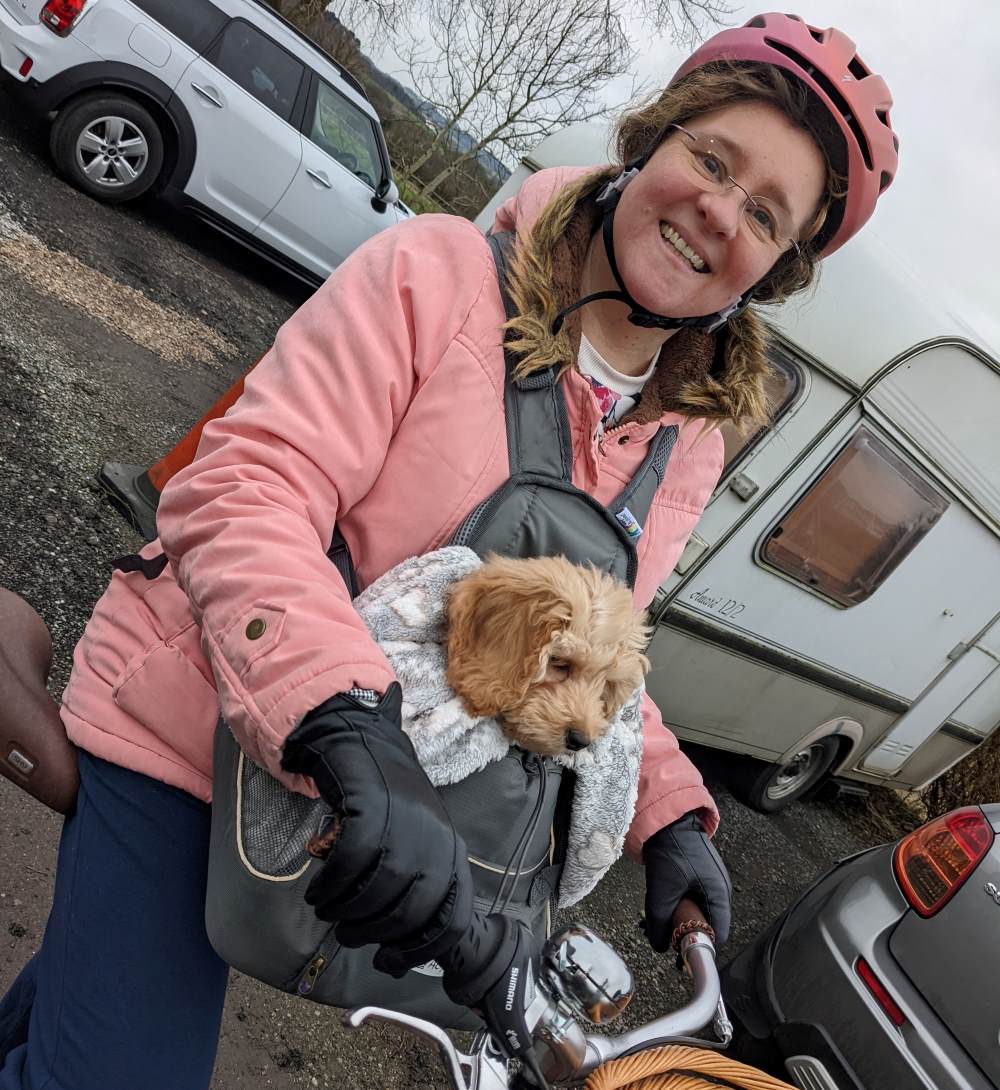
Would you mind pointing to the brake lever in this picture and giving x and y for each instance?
(722, 1026)
(482, 1069)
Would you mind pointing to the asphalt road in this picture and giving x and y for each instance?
(118, 327)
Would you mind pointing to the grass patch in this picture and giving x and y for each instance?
(976, 779)
(408, 192)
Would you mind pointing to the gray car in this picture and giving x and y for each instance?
(885, 974)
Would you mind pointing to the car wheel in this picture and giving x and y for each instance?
(774, 786)
(108, 146)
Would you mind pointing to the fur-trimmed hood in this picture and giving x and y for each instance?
(713, 376)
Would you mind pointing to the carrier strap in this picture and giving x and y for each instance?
(631, 506)
(535, 403)
(340, 554)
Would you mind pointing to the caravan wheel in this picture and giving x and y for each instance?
(774, 786)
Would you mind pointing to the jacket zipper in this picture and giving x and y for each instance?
(608, 432)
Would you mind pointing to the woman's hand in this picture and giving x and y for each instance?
(493, 970)
(681, 861)
(396, 872)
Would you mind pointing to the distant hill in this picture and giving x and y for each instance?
(392, 86)
(461, 141)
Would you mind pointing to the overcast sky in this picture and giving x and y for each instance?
(941, 216)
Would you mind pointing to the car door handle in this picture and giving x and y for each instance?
(207, 94)
(319, 177)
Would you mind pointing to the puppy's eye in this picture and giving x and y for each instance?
(557, 669)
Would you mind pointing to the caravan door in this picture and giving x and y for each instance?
(968, 674)
(947, 399)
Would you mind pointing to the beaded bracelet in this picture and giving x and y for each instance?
(688, 927)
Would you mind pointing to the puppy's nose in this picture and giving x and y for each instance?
(576, 739)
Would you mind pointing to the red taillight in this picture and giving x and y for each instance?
(932, 863)
(60, 15)
(878, 989)
(25, 67)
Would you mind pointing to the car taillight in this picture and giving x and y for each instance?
(933, 861)
(60, 15)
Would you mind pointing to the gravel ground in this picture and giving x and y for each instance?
(118, 327)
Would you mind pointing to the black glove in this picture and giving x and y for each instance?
(681, 861)
(493, 970)
(396, 872)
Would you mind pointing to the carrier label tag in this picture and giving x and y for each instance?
(629, 524)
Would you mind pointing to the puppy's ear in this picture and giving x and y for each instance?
(630, 665)
(501, 621)
(623, 681)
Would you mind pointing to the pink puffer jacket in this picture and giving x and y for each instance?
(380, 408)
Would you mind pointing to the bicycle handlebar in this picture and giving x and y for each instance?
(699, 956)
(579, 1054)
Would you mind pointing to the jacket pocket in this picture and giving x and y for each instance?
(169, 696)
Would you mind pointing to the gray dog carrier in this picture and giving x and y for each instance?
(256, 916)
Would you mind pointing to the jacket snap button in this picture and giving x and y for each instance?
(623, 439)
(255, 629)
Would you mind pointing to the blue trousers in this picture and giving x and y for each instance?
(125, 992)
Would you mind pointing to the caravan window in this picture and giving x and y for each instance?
(782, 385)
(860, 518)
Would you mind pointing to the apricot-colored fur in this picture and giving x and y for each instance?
(547, 647)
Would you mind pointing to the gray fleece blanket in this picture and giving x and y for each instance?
(405, 612)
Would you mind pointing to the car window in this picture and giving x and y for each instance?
(346, 133)
(859, 519)
(195, 22)
(259, 66)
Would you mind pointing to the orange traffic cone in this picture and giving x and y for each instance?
(135, 489)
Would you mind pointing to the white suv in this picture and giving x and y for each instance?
(222, 105)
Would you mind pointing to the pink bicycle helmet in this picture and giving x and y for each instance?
(827, 62)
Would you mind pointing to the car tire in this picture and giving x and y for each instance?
(772, 787)
(108, 146)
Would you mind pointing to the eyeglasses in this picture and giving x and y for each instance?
(765, 220)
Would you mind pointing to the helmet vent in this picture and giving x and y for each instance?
(884, 181)
(831, 91)
(758, 22)
(817, 34)
(857, 69)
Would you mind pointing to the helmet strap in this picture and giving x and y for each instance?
(607, 201)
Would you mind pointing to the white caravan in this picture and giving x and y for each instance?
(838, 608)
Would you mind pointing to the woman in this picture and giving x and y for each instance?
(380, 408)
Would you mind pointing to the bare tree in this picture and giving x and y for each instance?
(501, 74)
(375, 20)
(686, 21)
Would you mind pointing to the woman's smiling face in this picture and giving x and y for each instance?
(768, 156)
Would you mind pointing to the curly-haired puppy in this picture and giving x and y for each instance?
(551, 649)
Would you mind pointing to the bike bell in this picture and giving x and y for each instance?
(585, 974)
